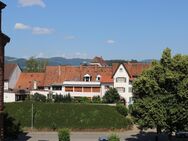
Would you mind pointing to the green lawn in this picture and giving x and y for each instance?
(74, 116)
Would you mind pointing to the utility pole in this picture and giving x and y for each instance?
(3, 41)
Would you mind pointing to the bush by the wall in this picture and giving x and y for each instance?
(62, 98)
(113, 137)
(111, 96)
(82, 100)
(38, 97)
(122, 110)
(96, 99)
(64, 134)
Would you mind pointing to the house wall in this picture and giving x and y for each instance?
(9, 97)
(14, 78)
(5, 85)
(121, 72)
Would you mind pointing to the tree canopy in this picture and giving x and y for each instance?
(161, 94)
(35, 65)
(111, 96)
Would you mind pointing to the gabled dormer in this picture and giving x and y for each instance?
(87, 78)
(121, 74)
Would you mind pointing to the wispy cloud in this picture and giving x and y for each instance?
(69, 37)
(110, 41)
(25, 3)
(21, 26)
(41, 30)
(34, 30)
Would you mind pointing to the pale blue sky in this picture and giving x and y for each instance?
(114, 29)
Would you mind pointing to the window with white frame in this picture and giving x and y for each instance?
(87, 78)
(98, 78)
(130, 100)
(120, 89)
(120, 79)
(130, 90)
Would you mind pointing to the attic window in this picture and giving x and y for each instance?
(98, 78)
(121, 70)
(87, 78)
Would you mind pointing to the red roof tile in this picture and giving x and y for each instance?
(26, 80)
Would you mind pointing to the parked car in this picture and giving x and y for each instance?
(182, 134)
(103, 138)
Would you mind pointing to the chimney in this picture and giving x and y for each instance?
(35, 85)
(2, 6)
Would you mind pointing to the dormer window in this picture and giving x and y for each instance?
(98, 78)
(121, 70)
(87, 78)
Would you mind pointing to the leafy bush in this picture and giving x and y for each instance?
(111, 96)
(64, 134)
(122, 110)
(96, 99)
(11, 128)
(82, 100)
(38, 97)
(113, 137)
(62, 98)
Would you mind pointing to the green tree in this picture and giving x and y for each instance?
(35, 65)
(111, 96)
(161, 95)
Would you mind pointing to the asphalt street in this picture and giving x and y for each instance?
(93, 136)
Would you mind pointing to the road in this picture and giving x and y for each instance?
(93, 136)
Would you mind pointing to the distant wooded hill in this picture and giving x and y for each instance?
(54, 61)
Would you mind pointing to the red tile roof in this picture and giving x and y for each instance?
(59, 74)
(99, 60)
(26, 80)
(135, 69)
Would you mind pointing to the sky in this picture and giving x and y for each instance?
(113, 29)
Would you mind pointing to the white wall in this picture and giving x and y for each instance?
(14, 78)
(5, 85)
(121, 72)
(9, 97)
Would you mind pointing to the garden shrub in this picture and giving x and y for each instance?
(64, 134)
(82, 100)
(96, 99)
(38, 97)
(11, 127)
(62, 98)
(122, 110)
(113, 137)
(111, 96)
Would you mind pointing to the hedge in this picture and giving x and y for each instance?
(74, 116)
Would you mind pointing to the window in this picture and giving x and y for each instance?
(68, 89)
(98, 78)
(130, 100)
(130, 82)
(121, 70)
(56, 87)
(130, 90)
(87, 78)
(120, 79)
(120, 89)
